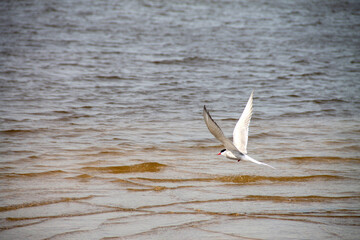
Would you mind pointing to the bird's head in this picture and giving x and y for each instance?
(222, 152)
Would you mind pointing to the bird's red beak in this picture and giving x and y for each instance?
(219, 153)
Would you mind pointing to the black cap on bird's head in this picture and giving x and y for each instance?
(221, 151)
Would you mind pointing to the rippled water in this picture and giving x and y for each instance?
(102, 135)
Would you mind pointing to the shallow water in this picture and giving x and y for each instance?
(102, 135)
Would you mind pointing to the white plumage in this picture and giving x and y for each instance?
(236, 150)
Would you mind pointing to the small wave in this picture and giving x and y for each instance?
(31, 153)
(322, 159)
(62, 112)
(6, 168)
(198, 146)
(18, 131)
(302, 61)
(192, 60)
(293, 199)
(155, 188)
(332, 100)
(110, 77)
(253, 179)
(311, 198)
(152, 148)
(305, 113)
(105, 153)
(354, 147)
(142, 167)
(266, 134)
(86, 107)
(114, 77)
(73, 116)
(312, 74)
(247, 179)
(293, 95)
(43, 203)
(81, 177)
(35, 174)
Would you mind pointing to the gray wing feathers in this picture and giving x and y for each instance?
(241, 130)
(216, 131)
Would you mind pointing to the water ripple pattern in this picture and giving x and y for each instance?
(101, 129)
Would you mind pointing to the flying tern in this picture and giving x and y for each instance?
(235, 150)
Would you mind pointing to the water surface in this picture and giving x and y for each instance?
(101, 127)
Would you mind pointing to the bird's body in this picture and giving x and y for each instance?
(237, 149)
(232, 155)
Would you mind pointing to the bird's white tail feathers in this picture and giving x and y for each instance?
(247, 158)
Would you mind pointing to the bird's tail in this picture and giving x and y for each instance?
(248, 158)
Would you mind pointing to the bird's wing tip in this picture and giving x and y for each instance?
(205, 110)
(269, 166)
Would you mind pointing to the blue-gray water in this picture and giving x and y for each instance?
(101, 127)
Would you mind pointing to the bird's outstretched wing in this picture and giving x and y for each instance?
(241, 130)
(216, 131)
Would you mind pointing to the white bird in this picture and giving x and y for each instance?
(235, 150)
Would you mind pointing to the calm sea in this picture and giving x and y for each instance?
(101, 128)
